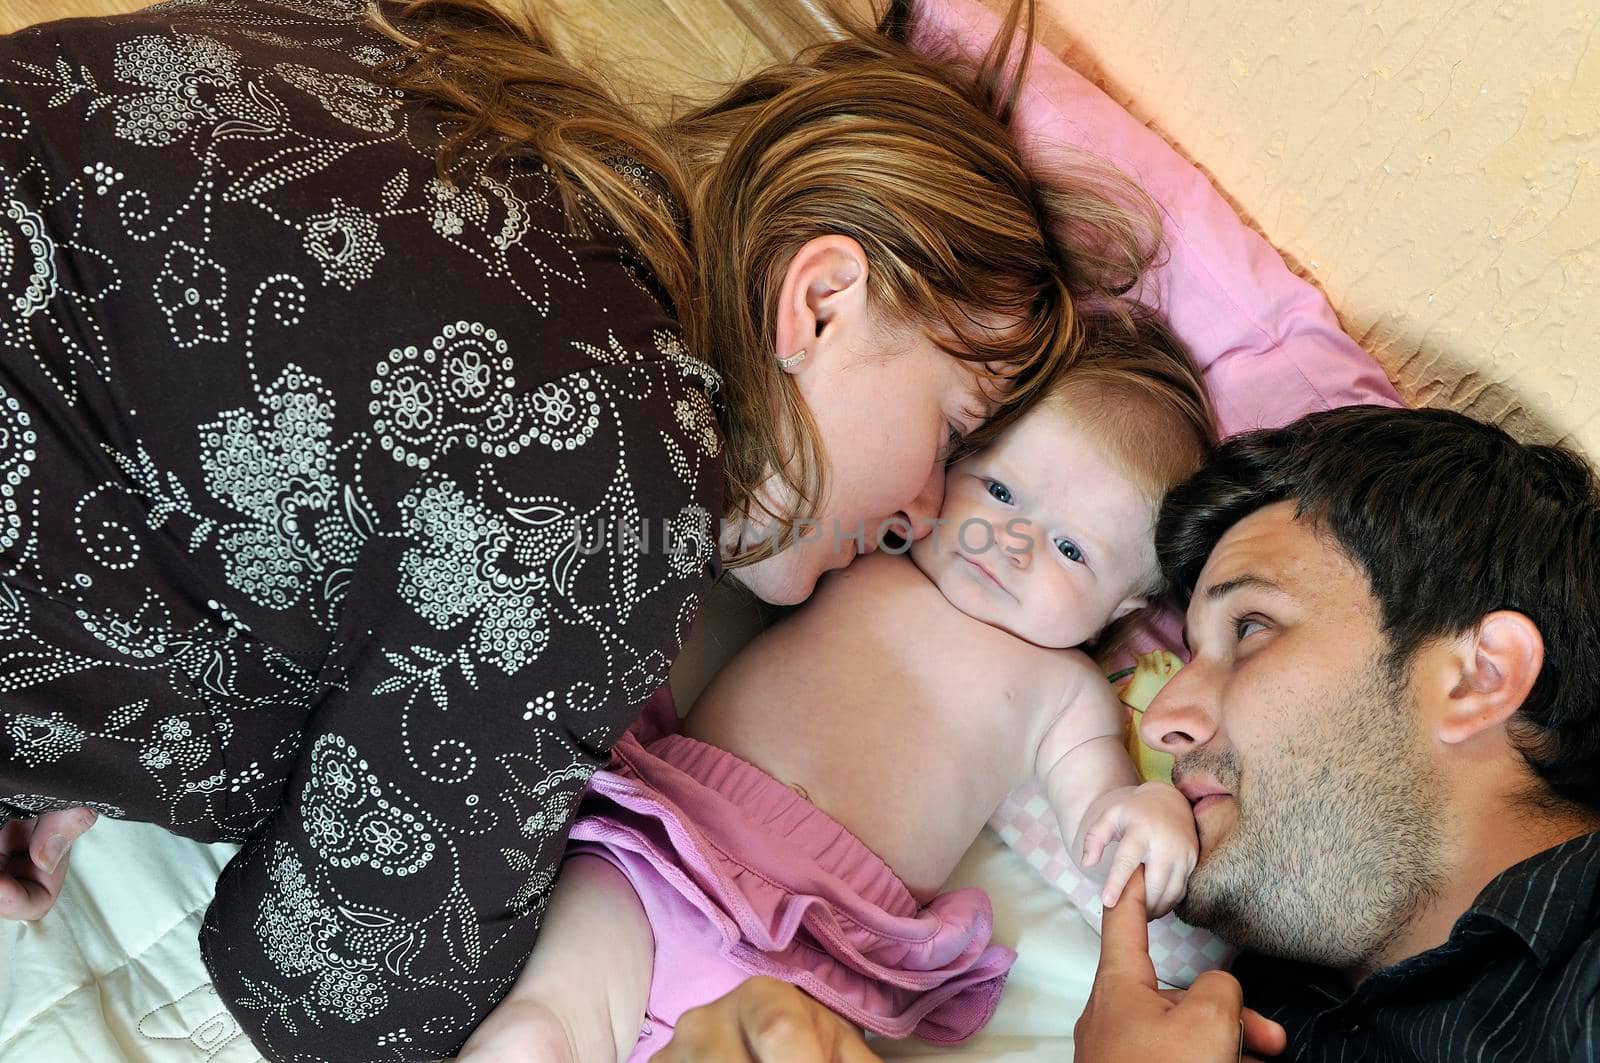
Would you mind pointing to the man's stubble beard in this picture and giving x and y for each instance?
(1336, 843)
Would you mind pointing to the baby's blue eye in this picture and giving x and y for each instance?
(1069, 550)
(999, 492)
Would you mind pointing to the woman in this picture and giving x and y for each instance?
(331, 346)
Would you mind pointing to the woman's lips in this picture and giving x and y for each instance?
(1210, 801)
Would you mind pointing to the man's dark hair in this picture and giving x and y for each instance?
(1451, 519)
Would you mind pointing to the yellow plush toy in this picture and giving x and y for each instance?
(1150, 673)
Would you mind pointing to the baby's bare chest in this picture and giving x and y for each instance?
(878, 676)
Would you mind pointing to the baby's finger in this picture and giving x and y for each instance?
(1176, 889)
(1127, 861)
(1102, 834)
(1157, 876)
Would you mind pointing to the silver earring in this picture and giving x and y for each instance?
(793, 360)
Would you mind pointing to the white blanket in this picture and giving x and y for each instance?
(113, 972)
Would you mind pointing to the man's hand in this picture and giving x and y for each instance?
(765, 1021)
(1128, 1017)
(35, 860)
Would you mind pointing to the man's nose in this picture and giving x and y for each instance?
(923, 510)
(1184, 714)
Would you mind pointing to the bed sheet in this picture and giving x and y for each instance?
(113, 975)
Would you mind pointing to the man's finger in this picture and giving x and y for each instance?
(1217, 990)
(785, 1026)
(704, 1033)
(1262, 1035)
(1125, 938)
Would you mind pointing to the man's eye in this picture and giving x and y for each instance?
(1244, 626)
(999, 492)
(1069, 550)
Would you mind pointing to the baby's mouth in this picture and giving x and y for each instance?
(981, 567)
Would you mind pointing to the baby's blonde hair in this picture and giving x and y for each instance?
(1135, 390)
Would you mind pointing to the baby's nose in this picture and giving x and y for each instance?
(1017, 542)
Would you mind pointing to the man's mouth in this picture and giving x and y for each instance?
(1203, 795)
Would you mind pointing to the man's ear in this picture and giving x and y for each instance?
(1496, 664)
(824, 287)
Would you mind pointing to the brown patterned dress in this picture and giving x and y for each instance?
(305, 459)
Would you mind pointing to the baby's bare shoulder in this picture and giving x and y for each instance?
(1085, 703)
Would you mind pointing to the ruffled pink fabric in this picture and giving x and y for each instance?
(740, 876)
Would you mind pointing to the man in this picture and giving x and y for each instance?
(1390, 731)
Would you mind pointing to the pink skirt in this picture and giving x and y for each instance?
(741, 876)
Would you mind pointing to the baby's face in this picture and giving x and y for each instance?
(1042, 534)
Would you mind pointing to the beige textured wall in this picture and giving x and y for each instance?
(1433, 164)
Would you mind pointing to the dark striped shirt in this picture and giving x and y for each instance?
(1516, 980)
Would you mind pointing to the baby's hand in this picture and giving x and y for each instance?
(1154, 826)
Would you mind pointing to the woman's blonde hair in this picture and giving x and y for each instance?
(910, 155)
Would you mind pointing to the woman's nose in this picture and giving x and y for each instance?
(1183, 715)
(924, 509)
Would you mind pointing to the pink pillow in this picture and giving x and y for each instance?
(1267, 342)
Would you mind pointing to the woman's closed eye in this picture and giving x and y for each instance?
(998, 491)
(952, 440)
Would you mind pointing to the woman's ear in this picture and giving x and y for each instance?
(1494, 666)
(823, 300)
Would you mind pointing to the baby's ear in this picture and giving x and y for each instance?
(1128, 605)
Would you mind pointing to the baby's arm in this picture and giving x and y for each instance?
(581, 995)
(1095, 792)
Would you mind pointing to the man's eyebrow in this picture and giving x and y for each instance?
(1226, 587)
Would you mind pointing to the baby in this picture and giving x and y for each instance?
(825, 785)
